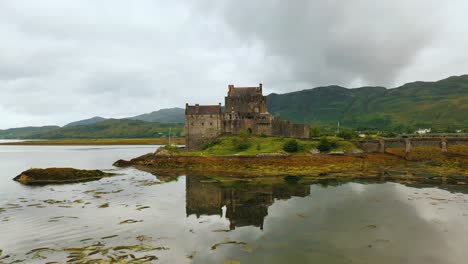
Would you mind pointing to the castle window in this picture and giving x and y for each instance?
(202, 124)
(211, 123)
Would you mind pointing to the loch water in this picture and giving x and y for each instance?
(189, 219)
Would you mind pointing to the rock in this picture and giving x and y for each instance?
(314, 151)
(162, 151)
(355, 151)
(59, 175)
(122, 163)
(267, 155)
(337, 153)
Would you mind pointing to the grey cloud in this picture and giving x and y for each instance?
(63, 60)
(323, 42)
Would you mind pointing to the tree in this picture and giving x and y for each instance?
(315, 132)
(326, 144)
(347, 134)
(291, 146)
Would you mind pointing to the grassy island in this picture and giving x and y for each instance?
(326, 158)
(246, 144)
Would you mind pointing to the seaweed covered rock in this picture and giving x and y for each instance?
(59, 175)
(122, 163)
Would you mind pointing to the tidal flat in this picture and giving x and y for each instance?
(140, 217)
(423, 165)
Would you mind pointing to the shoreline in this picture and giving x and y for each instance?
(425, 167)
(103, 141)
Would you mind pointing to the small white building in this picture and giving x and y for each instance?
(422, 131)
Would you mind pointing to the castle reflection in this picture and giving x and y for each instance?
(246, 204)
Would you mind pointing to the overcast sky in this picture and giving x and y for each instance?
(65, 60)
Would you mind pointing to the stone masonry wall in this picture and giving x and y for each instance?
(248, 104)
(299, 131)
(201, 129)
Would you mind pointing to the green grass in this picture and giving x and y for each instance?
(226, 145)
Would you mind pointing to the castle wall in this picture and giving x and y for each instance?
(245, 104)
(299, 131)
(262, 129)
(280, 128)
(201, 129)
(283, 128)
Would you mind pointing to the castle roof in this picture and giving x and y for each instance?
(202, 109)
(244, 91)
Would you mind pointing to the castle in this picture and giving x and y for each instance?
(245, 109)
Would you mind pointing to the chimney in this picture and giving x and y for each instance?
(197, 108)
(230, 87)
(260, 86)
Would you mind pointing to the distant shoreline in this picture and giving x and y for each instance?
(103, 141)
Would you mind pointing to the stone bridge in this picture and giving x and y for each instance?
(380, 145)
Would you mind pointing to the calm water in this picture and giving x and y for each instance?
(187, 219)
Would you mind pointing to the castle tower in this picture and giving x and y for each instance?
(245, 100)
(203, 123)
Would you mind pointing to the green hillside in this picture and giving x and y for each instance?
(88, 121)
(25, 132)
(114, 128)
(440, 105)
(169, 115)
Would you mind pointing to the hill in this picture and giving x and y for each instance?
(440, 105)
(114, 128)
(25, 132)
(89, 121)
(170, 115)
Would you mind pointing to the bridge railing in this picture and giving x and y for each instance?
(433, 135)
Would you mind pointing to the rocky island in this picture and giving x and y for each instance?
(328, 158)
(59, 175)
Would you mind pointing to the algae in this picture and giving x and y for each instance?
(139, 208)
(215, 246)
(130, 221)
(105, 205)
(99, 253)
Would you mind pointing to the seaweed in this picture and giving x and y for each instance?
(213, 247)
(130, 221)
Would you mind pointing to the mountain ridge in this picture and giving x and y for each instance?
(440, 104)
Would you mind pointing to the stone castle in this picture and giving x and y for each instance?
(245, 109)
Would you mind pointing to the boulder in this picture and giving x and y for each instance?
(162, 151)
(314, 151)
(355, 151)
(122, 163)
